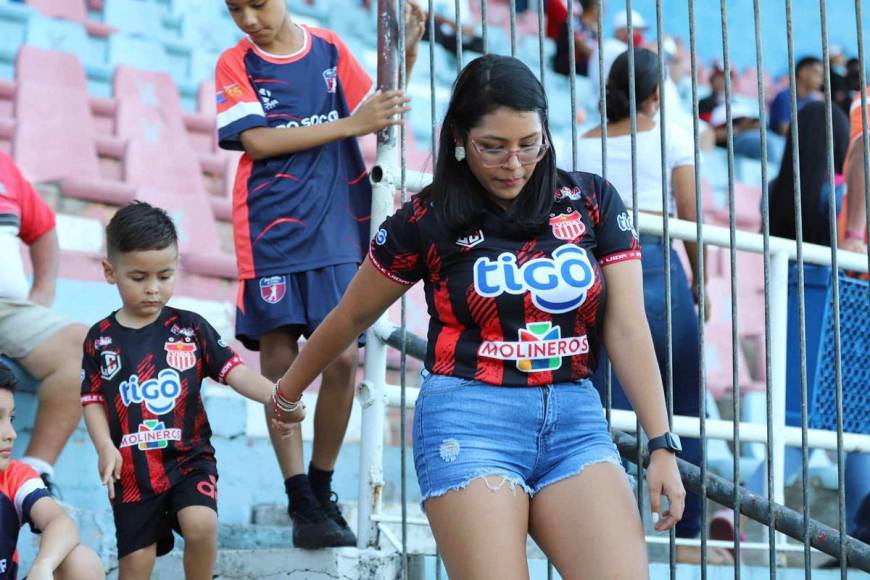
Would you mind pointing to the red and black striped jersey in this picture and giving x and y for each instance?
(509, 311)
(149, 381)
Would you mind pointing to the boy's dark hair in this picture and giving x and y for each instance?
(589, 4)
(805, 62)
(646, 81)
(484, 85)
(139, 226)
(8, 381)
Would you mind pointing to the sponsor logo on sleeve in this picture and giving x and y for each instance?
(381, 237)
(471, 240)
(568, 226)
(110, 364)
(625, 222)
(220, 97)
(158, 394)
(557, 284)
(273, 288)
(330, 77)
(233, 91)
(180, 354)
(152, 435)
(540, 348)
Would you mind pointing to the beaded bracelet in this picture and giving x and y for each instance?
(282, 403)
(855, 235)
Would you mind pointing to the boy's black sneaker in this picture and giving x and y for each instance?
(330, 506)
(313, 529)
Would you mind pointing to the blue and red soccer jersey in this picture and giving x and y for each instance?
(309, 209)
(20, 488)
(509, 310)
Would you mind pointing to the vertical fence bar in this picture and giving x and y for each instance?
(484, 23)
(699, 231)
(865, 133)
(732, 253)
(602, 107)
(541, 41)
(835, 289)
(513, 26)
(572, 76)
(430, 23)
(371, 392)
(666, 240)
(459, 33)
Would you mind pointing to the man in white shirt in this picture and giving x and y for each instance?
(42, 341)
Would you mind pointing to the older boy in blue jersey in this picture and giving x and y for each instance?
(293, 99)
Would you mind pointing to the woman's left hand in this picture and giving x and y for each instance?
(663, 478)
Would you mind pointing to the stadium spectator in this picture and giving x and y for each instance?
(448, 28)
(24, 499)
(679, 158)
(556, 12)
(514, 255)
(585, 40)
(142, 373)
(618, 44)
(46, 344)
(302, 204)
(746, 131)
(814, 177)
(809, 78)
(840, 94)
(853, 233)
(708, 104)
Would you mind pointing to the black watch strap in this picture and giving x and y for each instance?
(669, 441)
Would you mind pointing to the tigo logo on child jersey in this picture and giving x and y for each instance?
(558, 284)
(540, 348)
(273, 288)
(152, 435)
(315, 119)
(158, 394)
(181, 354)
(329, 77)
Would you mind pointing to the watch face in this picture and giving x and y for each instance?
(674, 442)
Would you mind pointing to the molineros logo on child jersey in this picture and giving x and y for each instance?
(557, 285)
(158, 394)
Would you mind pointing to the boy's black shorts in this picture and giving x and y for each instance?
(142, 523)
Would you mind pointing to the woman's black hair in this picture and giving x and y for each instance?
(485, 84)
(646, 81)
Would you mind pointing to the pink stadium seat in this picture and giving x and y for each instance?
(7, 98)
(747, 202)
(164, 164)
(146, 95)
(199, 243)
(50, 67)
(74, 10)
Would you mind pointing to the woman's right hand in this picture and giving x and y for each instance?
(110, 463)
(380, 110)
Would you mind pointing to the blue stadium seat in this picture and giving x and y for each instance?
(14, 20)
(208, 30)
(138, 17)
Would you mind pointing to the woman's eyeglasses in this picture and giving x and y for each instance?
(497, 156)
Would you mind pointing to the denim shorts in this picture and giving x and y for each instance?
(527, 437)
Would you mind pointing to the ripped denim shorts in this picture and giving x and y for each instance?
(527, 437)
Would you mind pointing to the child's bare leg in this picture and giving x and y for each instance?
(137, 565)
(80, 564)
(278, 349)
(199, 528)
(334, 404)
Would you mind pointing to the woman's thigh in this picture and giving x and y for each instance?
(589, 526)
(481, 530)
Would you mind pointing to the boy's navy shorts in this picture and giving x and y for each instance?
(298, 302)
(151, 521)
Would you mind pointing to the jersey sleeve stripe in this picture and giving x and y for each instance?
(380, 268)
(239, 111)
(23, 501)
(92, 399)
(228, 367)
(618, 257)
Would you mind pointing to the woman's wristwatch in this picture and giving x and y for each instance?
(669, 441)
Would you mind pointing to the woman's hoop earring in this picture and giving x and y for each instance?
(459, 153)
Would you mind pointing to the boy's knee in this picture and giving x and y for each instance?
(81, 564)
(138, 564)
(199, 526)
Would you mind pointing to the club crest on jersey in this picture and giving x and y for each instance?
(568, 193)
(152, 434)
(557, 284)
(330, 77)
(568, 226)
(471, 240)
(540, 348)
(158, 394)
(110, 364)
(273, 289)
(181, 354)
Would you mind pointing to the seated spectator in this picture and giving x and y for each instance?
(618, 44)
(809, 78)
(746, 132)
(448, 28)
(46, 344)
(840, 94)
(814, 177)
(585, 40)
(556, 12)
(24, 499)
(708, 104)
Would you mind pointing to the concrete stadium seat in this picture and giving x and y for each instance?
(162, 165)
(75, 10)
(143, 94)
(136, 51)
(136, 17)
(199, 243)
(14, 20)
(207, 28)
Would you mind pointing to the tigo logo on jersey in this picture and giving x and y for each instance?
(626, 223)
(470, 240)
(330, 78)
(158, 394)
(568, 226)
(180, 355)
(558, 284)
(110, 364)
(540, 348)
(152, 435)
(273, 288)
